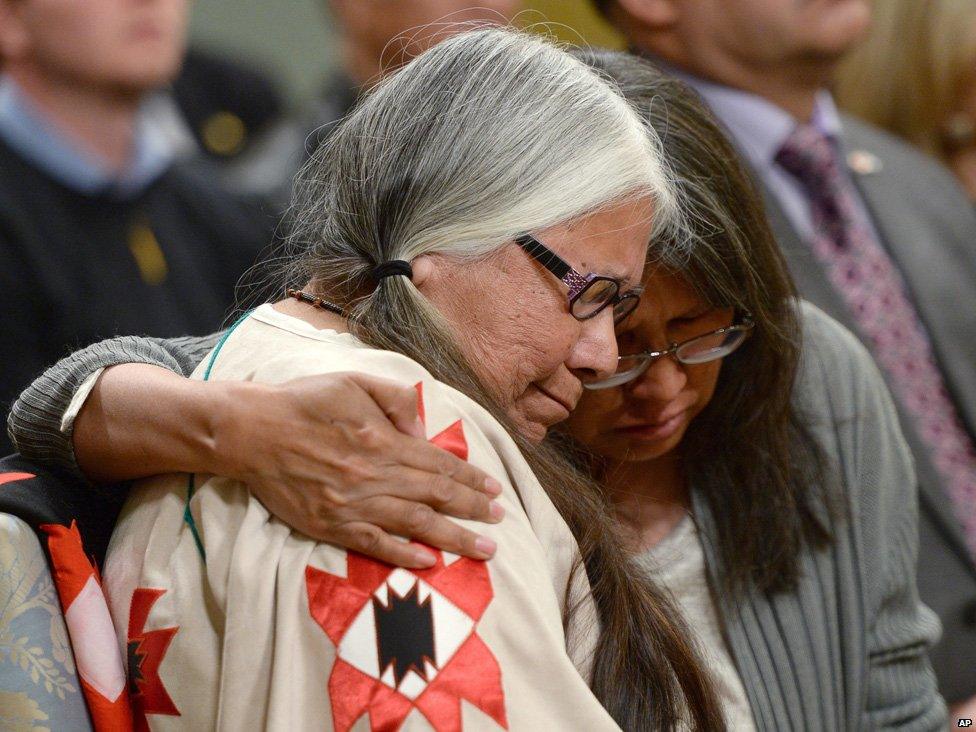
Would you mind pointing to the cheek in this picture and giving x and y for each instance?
(703, 381)
(175, 21)
(526, 347)
(512, 342)
(70, 39)
(64, 31)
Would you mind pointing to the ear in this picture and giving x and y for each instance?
(652, 14)
(423, 268)
(14, 37)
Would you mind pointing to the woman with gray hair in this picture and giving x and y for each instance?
(475, 229)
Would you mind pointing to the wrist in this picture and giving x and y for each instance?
(230, 411)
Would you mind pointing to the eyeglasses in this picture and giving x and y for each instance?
(701, 349)
(588, 294)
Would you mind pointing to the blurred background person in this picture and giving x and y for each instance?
(229, 111)
(875, 233)
(101, 230)
(373, 39)
(915, 76)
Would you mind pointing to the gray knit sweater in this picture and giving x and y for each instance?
(845, 651)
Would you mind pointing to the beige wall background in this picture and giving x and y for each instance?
(294, 42)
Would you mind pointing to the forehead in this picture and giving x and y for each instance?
(666, 295)
(611, 242)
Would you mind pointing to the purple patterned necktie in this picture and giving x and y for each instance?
(876, 295)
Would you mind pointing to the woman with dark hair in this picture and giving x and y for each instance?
(771, 496)
(769, 490)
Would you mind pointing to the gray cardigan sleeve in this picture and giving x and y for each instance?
(34, 423)
(901, 689)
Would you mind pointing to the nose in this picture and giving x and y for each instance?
(662, 382)
(595, 354)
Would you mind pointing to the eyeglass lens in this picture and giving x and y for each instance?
(624, 307)
(709, 347)
(594, 297)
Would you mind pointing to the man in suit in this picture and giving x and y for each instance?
(875, 233)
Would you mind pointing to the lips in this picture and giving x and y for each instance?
(567, 404)
(660, 421)
(658, 430)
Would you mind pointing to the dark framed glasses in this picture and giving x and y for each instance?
(588, 294)
(700, 349)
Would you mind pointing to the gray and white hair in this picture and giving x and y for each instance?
(489, 134)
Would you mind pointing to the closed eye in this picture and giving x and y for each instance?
(691, 318)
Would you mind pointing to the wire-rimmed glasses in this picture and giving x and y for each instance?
(588, 294)
(700, 349)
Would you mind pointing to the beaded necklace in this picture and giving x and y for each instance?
(316, 302)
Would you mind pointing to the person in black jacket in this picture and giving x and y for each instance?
(101, 231)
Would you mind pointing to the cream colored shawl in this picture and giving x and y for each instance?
(230, 620)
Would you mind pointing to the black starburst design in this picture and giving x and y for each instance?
(404, 634)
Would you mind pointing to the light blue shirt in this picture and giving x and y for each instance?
(759, 129)
(34, 136)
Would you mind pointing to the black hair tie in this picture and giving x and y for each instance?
(392, 268)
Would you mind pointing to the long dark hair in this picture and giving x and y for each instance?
(472, 125)
(748, 454)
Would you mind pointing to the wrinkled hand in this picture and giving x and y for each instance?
(343, 458)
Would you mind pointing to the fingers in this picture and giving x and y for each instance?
(374, 542)
(430, 459)
(372, 436)
(398, 402)
(444, 495)
(422, 523)
(352, 480)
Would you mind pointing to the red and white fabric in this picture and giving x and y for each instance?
(90, 629)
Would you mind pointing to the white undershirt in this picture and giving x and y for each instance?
(677, 564)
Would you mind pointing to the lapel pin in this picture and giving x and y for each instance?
(863, 162)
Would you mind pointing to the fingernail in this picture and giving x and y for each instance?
(496, 510)
(485, 545)
(419, 428)
(492, 486)
(426, 559)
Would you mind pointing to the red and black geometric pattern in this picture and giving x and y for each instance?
(407, 639)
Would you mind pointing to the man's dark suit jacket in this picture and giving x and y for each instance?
(929, 230)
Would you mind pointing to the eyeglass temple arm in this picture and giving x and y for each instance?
(543, 255)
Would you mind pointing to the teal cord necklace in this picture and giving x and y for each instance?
(191, 479)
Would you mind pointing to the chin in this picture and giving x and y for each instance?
(636, 450)
(534, 432)
(531, 429)
(153, 76)
(843, 27)
(136, 83)
(147, 66)
(639, 452)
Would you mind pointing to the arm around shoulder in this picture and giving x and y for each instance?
(460, 644)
